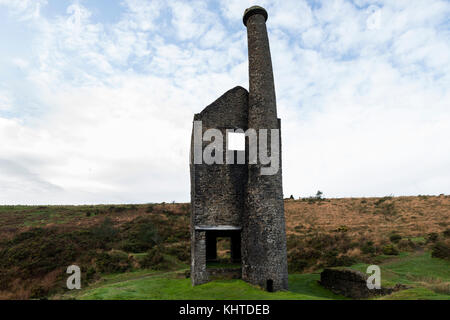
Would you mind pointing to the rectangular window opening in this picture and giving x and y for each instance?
(223, 249)
(236, 141)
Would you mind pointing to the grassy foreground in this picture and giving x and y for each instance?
(427, 277)
(38, 243)
(169, 286)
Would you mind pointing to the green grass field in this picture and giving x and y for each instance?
(142, 251)
(168, 286)
(413, 270)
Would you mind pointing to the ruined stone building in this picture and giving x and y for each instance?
(235, 200)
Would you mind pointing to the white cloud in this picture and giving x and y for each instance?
(234, 9)
(312, 37)
(20, 63)
(291, 15)
(191, 20)
(142, 14)
(6, 100)
(24, 9)
(364, 110)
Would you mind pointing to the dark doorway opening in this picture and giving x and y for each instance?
(269, 285)
(223, 248)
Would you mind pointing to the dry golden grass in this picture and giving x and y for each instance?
(371, 218)
(435, 284)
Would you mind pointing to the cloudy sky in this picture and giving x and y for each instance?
(97, 96)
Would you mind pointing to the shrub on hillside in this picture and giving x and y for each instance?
(446, 233)
(406, 244)
(308, 253)
(432, 237)
(345, 261)
(382, 200)
(105, 232)
(139, 236)
(390, 250)
(368, 248)
(339, 241)
(181, 252)
(388, 209)
(441, 250)
(154, 260)
(342, 228)
(332, 259)
(300, 258)
(39, 251)
(297, 265)
(395, 238)
(112, 262)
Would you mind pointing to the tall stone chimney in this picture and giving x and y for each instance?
(264, 258)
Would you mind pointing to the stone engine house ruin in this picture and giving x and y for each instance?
(234, 200)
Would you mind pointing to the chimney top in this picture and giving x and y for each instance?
(254, 10)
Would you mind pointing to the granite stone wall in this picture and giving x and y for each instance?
(217, 190)
(264, 256)
(238, 195)
(353, 284)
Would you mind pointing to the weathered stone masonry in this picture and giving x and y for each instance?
(235, 200)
